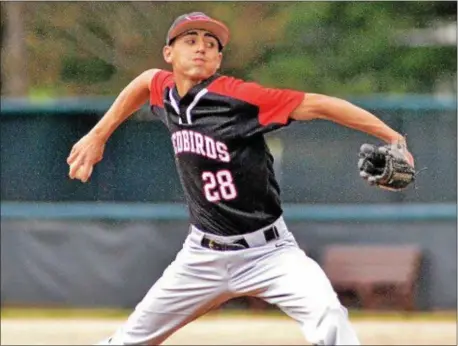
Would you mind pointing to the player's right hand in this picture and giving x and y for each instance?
(84, 155)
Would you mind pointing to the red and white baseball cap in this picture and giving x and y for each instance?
(198, 20)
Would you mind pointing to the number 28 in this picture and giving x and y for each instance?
(219, 185)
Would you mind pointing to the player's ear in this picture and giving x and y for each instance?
(220, 60)
(167, 53)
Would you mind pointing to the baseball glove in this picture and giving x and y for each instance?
(385, 166)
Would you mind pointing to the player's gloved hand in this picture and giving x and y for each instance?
(389, 166)
(84, 155)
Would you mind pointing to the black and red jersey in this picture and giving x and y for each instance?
(224, 164)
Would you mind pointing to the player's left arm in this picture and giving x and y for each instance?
(317, 106)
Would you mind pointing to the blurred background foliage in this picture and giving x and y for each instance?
(55, 49)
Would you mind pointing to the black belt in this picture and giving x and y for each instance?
(270, 234)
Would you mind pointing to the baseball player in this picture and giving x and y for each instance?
(238, 243)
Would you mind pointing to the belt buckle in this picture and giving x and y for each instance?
(225, 247)
(212, 244)
(215, 245)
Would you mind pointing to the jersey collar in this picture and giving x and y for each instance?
(190, 95)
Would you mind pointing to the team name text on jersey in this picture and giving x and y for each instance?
(186, 141)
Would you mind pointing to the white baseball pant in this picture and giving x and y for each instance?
(200, 279)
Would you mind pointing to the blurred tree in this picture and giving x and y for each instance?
(14, 53)
(354, 48)
(118, 40)
(77, 48)
(2, 40)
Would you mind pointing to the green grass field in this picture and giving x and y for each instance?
(94, 313)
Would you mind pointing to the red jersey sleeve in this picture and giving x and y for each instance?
(275, 105)
(160, 81)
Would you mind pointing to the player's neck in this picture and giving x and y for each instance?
(185, 84)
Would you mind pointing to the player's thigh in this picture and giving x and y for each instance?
(188, 288)
(298, 285)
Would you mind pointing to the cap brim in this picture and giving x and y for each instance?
(216, 28)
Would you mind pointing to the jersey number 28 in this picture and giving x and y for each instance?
(219, 185)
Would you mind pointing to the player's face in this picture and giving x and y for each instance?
(194, 54)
